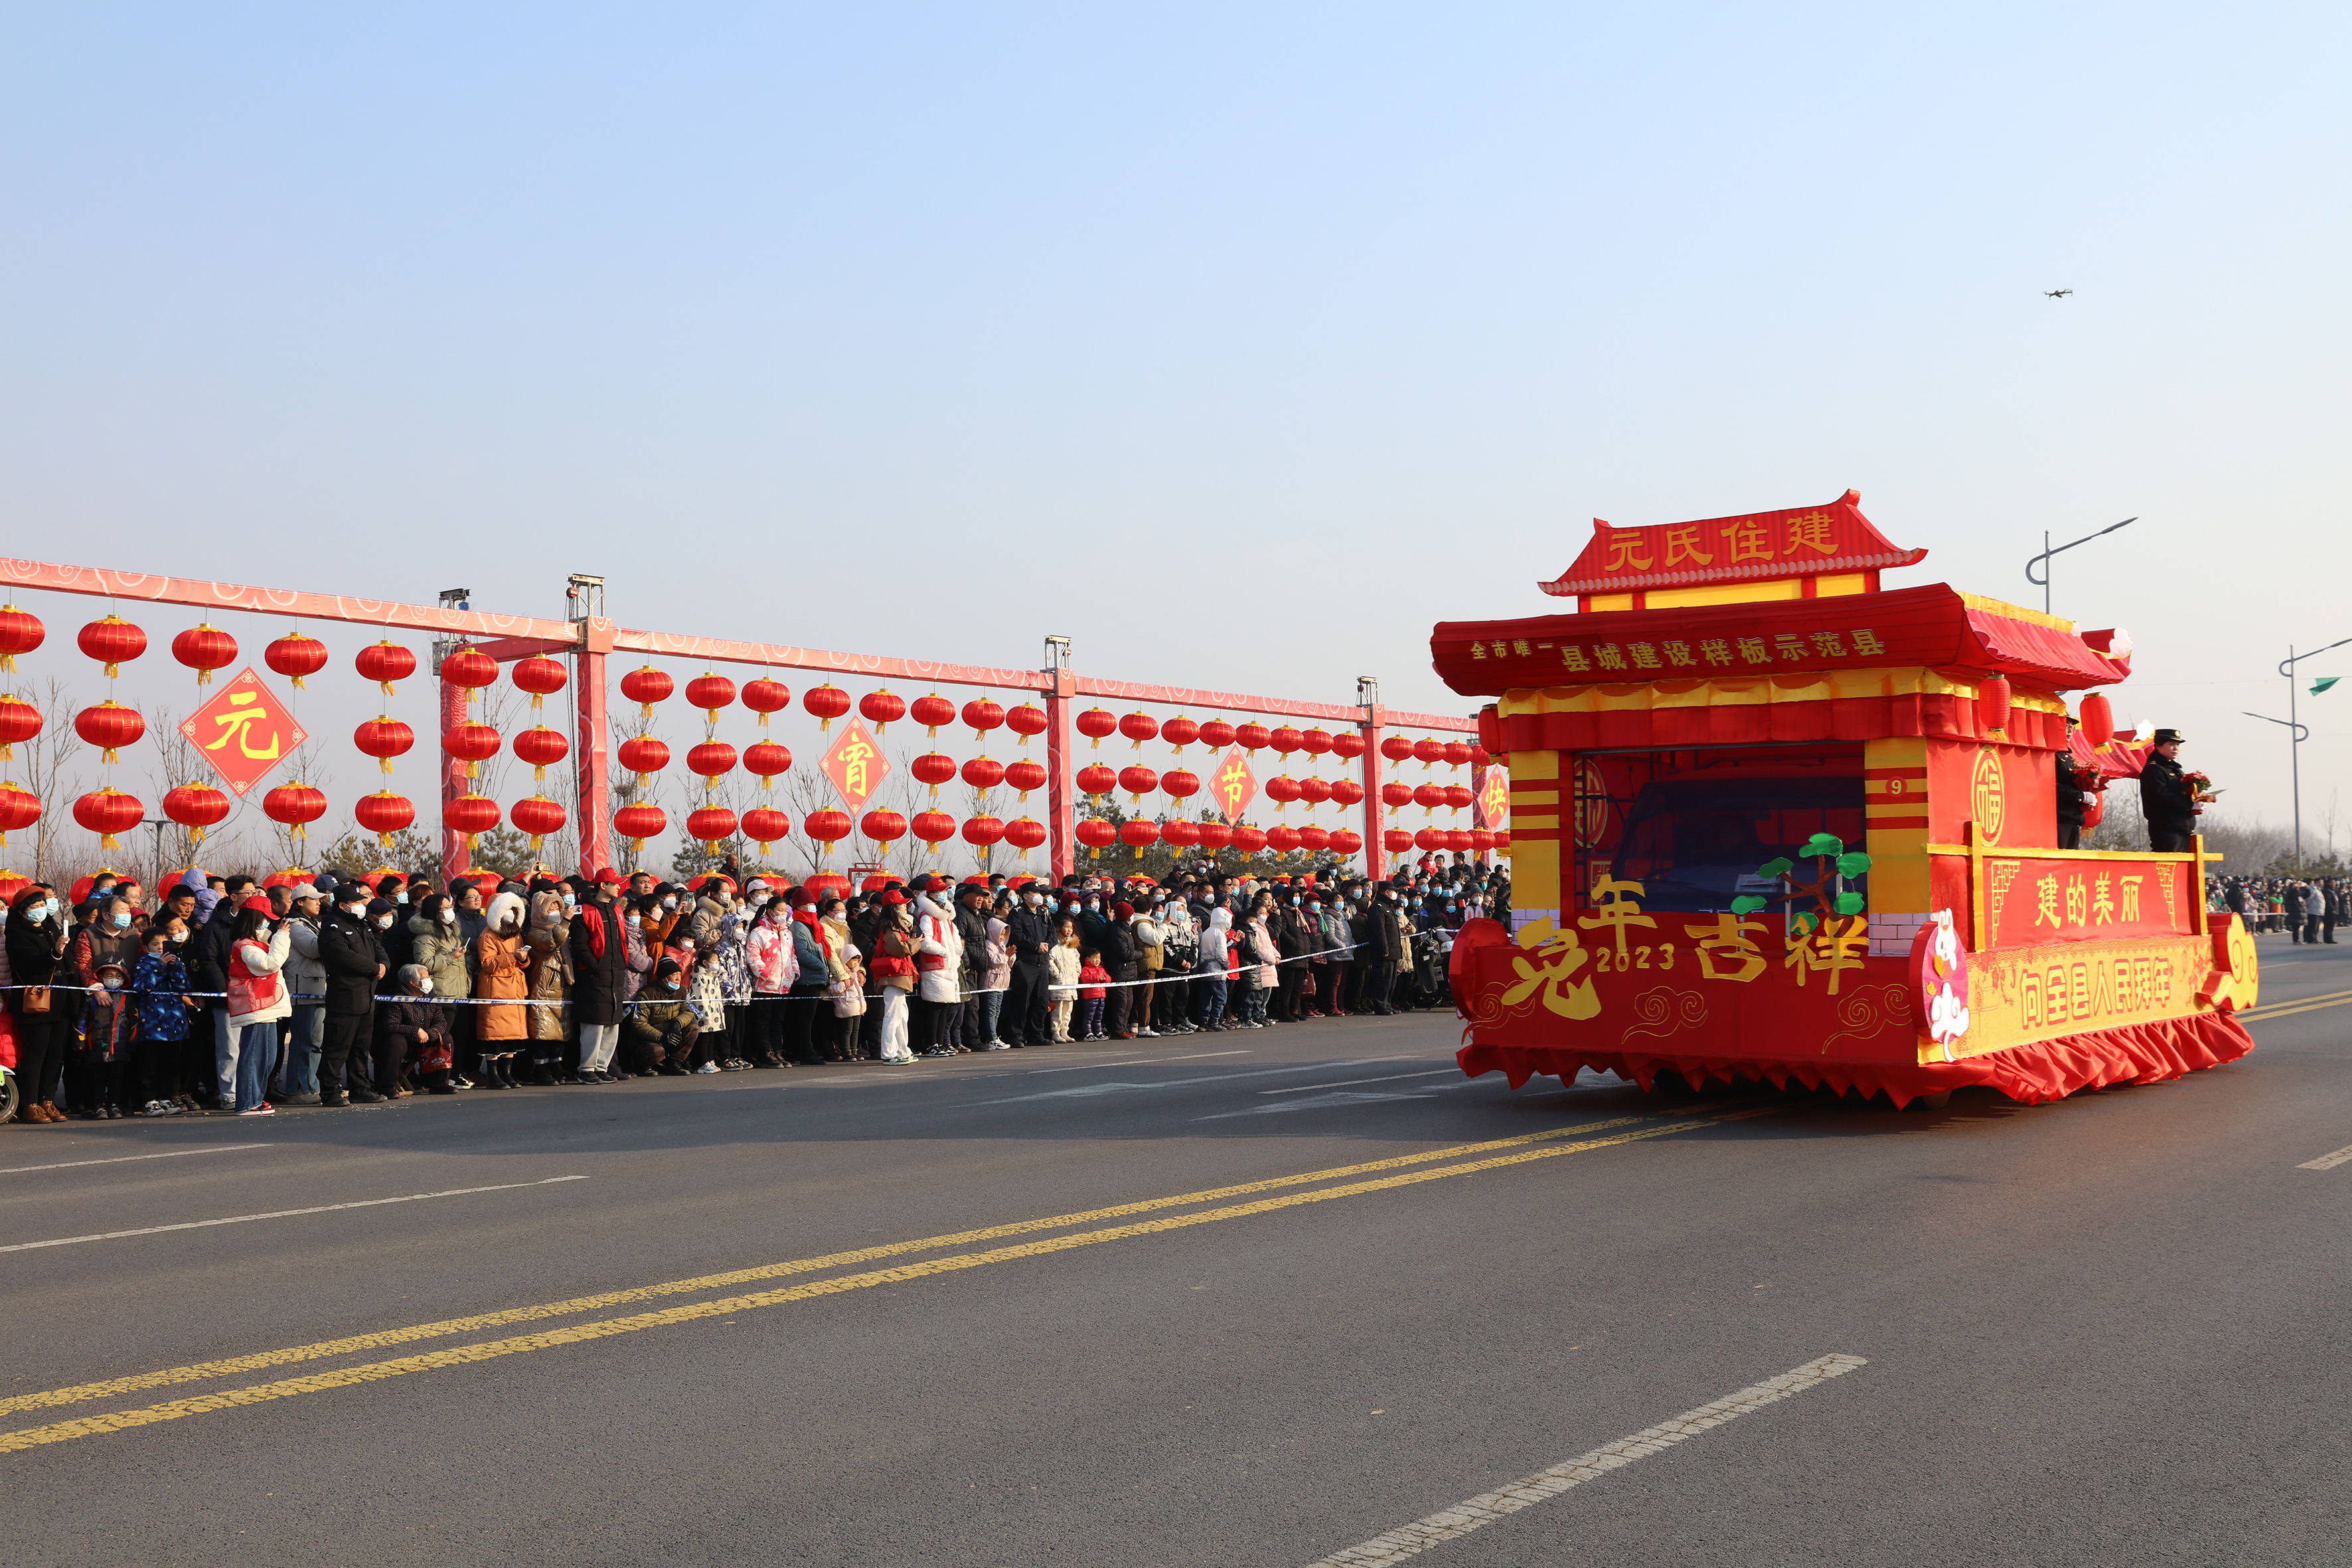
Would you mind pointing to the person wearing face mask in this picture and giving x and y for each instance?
(35, 942)
(769, 955)
(939, 965)
(354, 961)
(1375, 939)
(805, 1039)
(159, 988)
(258, 998)
(547, 932)
(416, 1027)
(437, 946)
(1329, 975)
(600, 976)
(501, 979)
(103, 1049)
(306, 979)
(1026, 1019)
(104, 937)
(1063, 964)
(1209, 969)
(661, 1030)
(1180, 948)
(1294, 939)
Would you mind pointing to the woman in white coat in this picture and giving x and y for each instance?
(938, 961)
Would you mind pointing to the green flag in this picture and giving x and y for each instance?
(2322, 683)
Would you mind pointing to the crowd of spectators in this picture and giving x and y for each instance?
(2308, 909)
(224, 995)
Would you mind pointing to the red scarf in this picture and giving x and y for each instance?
(808, 916)
(596, 918)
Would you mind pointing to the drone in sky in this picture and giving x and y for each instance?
(2055, 293)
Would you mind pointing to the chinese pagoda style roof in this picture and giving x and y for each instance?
(1932, 627)
(1802, 541)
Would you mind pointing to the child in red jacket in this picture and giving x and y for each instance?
(1092, 979)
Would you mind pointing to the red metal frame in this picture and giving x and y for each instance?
(590, 643)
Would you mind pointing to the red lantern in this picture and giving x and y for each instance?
(1347, 791)
(383, 738)
(468, 667)
(828, 702)
(1281, 789)
(20, 720)
(764, 824)
(1315, 840)
(1458, 797)
(646, 686)
(296, 804)
(1502, 838)
(1138, 727)
(934, 827)
(1216, 734)
(384, 663)
(1396, 841)
(1481, 840)
(115, 642)
(1181, 834)
(1430, 752)
(1181, 784)
(110, 727)
(1096, 780)
(1430, 839)
(1396, 796)
(883, 828)
(1314, 791)
(983, 772)
(1138, 781)
(108, 811)
(541, 676)
(710, 693)
(204, 647)
(1992, 705)
(1137, 834)
(2099, 721)
(1180, 732)
(638, 823)
(933, 768)
(1252, 737)
(1096, 834)
(1345, 843)
(1429, 797)
(710, 823)
(880, 707)
(764, 697)
(1249, 840)
(21, 632)
(1095, 723)
(1457, 753)
(1024, 721)
(982, 831)
(18, 808)
(1348, 745)
(1215, 836)
(1024, 834)
(827, 827)
(932, 710)
(382, 814)
(710, 759)
(1480, 757)
(767, 759)
(983, 716)
(1282, 839)
(1285, 741)
(1397, 749)
(472, 744)
(196, 806)
(644, 756)
(1025, 776)
(542, 748)
(1457, 841)
(1315, 742)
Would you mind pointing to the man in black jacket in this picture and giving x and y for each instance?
(1119, 957)
(2070, 799)
(971, 927)
(1027, 1018)
(600, 966)
(2164, 797)
(207, 960)
(2292, 900)
(354, 961)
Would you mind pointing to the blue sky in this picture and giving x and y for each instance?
(1239, 343)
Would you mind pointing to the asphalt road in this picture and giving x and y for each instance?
(2109, 1330)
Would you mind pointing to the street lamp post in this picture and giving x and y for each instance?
(2287, 668)
(2042, 559)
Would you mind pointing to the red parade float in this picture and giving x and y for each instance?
(1770, 821)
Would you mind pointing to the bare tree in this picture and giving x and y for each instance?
(281, 843)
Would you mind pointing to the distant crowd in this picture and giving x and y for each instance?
(2306, 908)
(225, 995)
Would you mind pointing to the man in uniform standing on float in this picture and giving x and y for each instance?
(2164, 797)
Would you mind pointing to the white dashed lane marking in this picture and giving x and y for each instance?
(278, 1214)
(2328, 1162)
(1455, 1522)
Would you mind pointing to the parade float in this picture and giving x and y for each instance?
(1773, 822)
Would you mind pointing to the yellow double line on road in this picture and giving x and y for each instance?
(1549, 1144)
(2295, 1005)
